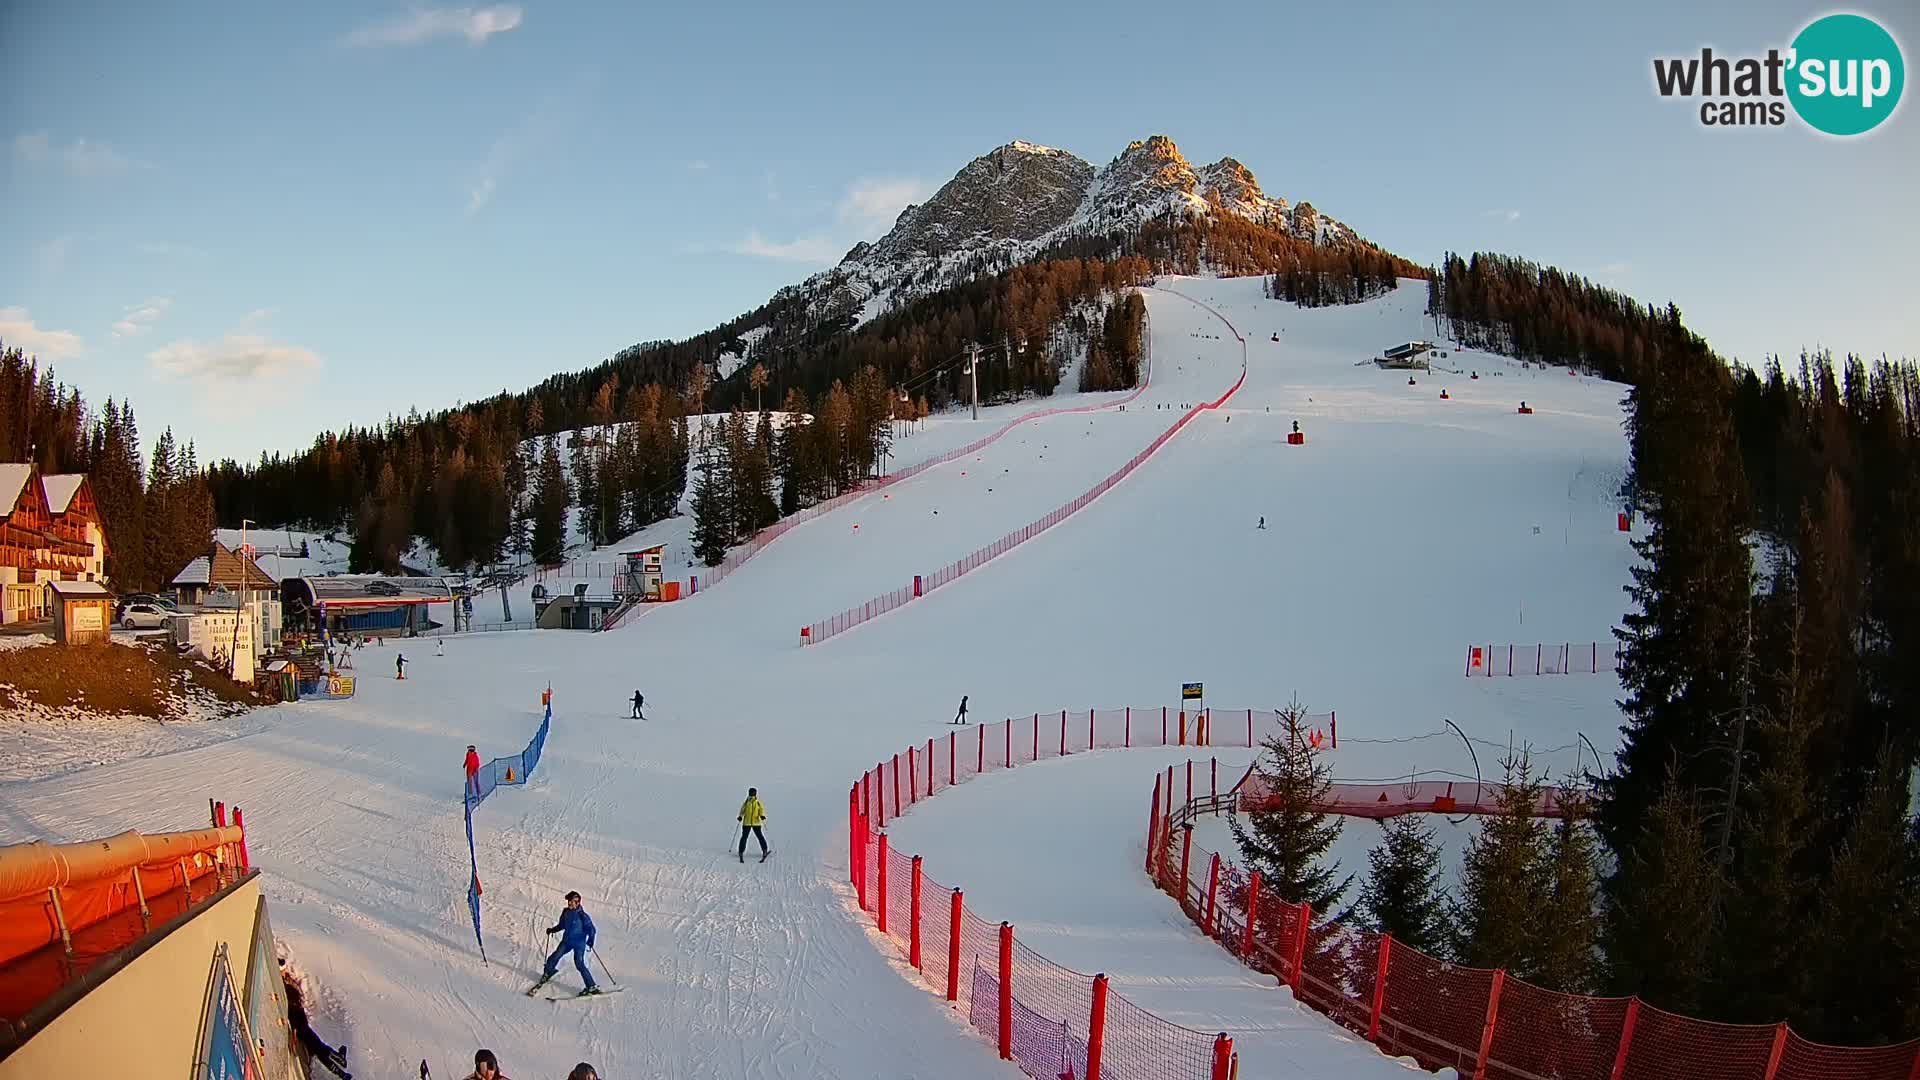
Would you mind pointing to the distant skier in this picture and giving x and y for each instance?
(439, 646)
(753, 814)
(576, 936)
(400, 666)
(961, 716)
(583, 1071)
(639, 701)
(473, 770)
(310, 1042)
(486, 1067)
(1263, 521)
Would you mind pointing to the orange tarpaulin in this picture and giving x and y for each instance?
(95, 880)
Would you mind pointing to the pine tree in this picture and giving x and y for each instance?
(1681, 651)
(1864, 970)
(162, 518)
(1660, 940)
(712, 517)
(1569, 940)
(1506, 881)
(1287, 838)
(586, 487)
(1766, 888)
(551, 499)
(1402, 894)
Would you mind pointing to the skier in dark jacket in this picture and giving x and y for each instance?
(961, 716)
(576, 936)
(310, 1041)
(639, 701)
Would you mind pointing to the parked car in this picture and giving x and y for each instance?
(143, 616)
(150, 598)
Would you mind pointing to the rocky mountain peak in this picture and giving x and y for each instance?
(1016, 201)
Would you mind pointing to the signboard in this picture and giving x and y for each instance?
(267, 999)
(226, 1047)
(85, 616)
(340, 685)
(1190, 691)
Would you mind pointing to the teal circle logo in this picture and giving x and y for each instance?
(1847, 74)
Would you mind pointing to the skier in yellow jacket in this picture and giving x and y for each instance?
(752, 815)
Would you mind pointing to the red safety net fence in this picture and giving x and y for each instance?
(1051, 1020)
(740, 555)
(1483, 1023)
(925, 583)
(1543, 658)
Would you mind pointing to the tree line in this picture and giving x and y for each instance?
(157, 511)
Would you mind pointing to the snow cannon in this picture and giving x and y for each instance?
(1526, 409)
(1444, 396)
(1475, 375)
(1410, 381)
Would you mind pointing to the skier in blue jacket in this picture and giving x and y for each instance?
(576, 937)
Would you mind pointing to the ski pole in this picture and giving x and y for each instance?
(603, 965)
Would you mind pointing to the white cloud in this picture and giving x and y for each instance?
(865, 210)
(237, 358)
(141, 316)
(548, 120)
(871, 204)
(18, 331)
(697, 165)
(807, 249)
(426, 24)
(1504, 214)
(78, 158)
(481, 194)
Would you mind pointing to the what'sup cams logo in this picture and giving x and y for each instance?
(1842, 76)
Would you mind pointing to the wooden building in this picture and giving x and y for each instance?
(50, 530)
(82, 612)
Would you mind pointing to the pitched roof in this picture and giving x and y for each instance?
(78, 588)
(60, 489)
(13, 479)
(225, 567)
(194, 573)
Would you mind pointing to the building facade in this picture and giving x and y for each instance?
(50, 531)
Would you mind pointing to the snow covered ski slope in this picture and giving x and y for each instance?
(1404, 529)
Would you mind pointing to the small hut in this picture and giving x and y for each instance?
(82, 612)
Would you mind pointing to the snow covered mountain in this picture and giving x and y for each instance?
(1022, 200)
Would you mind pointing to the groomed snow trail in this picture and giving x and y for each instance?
(1402, 531)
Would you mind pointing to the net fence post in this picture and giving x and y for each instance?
(1006, 991)
(953, 947)
(1779, 1048)
(913, 775)
(1626, 1040)
(913, 932)
(1097, 1027)
(1213, 892)
(1301, 932)
(880, 904)
(1186, 860)
(1153, 823)
(1379, 988)
(1486, 1032)
(1222, 1057)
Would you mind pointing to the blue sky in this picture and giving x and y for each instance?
(261, 221)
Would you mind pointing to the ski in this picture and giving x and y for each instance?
(605, 991)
